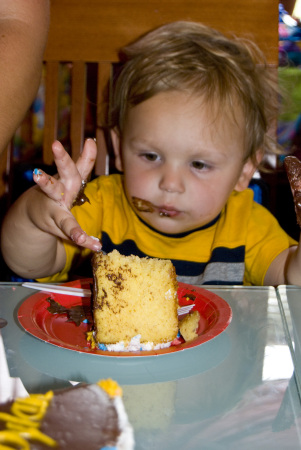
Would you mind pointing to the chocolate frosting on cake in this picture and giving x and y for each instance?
(73, 419)
(76, 314)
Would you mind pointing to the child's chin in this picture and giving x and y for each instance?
(167, 225)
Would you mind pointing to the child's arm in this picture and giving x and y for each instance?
(34, 227)
(285, 269)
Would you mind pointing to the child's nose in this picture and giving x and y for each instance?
(171, 180)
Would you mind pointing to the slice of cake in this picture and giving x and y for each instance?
(81, 417)
(134, 297)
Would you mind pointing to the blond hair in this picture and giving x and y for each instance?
(195, 58)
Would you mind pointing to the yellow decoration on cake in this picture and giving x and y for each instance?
(90, 338)
(12, 439)
(111, 387)
(13, 421)
(33, 407)
(37, 435)
(24, 421)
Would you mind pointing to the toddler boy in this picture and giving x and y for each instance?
(189, 123)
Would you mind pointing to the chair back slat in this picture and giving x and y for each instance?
(103, 80)
(51, 109)
(5, 163)
(78, 107)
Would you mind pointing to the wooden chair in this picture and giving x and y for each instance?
(90, 32)
(87, 34)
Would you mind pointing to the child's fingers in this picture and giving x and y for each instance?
(83, 240)
(84, 164)
(66, 167)
(86, 161)
(65, 189)
(49, 185)
(71, 229)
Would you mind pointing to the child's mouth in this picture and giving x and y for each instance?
(163, 212)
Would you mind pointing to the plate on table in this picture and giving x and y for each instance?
(58, 330)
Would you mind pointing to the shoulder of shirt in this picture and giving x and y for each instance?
(105, 183)
(246, 198)
(243, 206)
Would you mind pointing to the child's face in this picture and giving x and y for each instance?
(180, 164)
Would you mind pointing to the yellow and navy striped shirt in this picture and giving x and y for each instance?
(236, 248)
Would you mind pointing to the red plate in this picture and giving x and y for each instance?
(35, 318)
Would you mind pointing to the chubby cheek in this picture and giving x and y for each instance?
(138, 184)
(206, 203)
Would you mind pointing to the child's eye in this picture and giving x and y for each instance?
(199, 165)
(150, 156)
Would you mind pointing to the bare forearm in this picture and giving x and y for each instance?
(24, 29)
(29, 244)
(285, 269)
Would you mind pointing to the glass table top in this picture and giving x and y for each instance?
(238, 390)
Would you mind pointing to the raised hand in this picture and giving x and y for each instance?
(63, 189)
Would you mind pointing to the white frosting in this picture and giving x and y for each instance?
(135, 345)
(126, 439)
(169, 295)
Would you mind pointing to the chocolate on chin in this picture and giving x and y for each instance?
(85, 416)
(293, 170)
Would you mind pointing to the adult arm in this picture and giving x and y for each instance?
(23, 36)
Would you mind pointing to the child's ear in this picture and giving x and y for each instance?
(116, 142)
(248, 171)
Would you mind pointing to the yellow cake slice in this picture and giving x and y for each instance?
(134, 296)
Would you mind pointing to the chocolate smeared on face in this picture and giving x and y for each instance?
(81, 197)
(143, 205)
(146, 206)
(293, 170)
